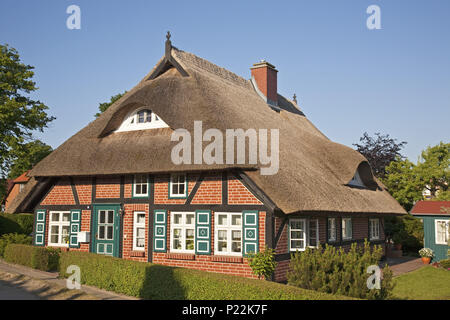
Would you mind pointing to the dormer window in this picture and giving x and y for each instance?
(141, 119)
(356, 181)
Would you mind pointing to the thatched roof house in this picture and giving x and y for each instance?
(118, 174)
(314, 172)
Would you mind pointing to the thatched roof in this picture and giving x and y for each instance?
(183, 88)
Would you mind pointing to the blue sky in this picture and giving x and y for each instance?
(348, 79)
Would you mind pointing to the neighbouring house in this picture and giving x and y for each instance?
(14, 187)
(436, 224)
(113, 188)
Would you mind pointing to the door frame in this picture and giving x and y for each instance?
(117, 241)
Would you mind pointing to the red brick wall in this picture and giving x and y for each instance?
(108, 187)
(161, 186)
(210, 191)
(128, 220)
(84, 190)
(239, 194)
(61, 193)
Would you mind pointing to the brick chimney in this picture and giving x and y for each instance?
(264, 79)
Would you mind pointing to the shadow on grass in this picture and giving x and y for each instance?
(161, 283)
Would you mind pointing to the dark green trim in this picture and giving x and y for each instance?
(41, 219)
(170, 186)
(117, 227)
(75, 227)
(200, 226)
(159, 239)
(245, 229)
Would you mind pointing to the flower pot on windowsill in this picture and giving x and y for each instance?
(426, 260)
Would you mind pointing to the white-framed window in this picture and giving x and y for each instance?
(347, 228)
(374, 229)
(59, 228)
(442, 231)
(139, 231)
(141, 119)
(182, 232)
(140, 185)
(297, 234)
(21, 186)
(178, 186)
(331, 229)
(228, 233)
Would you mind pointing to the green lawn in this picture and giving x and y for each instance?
(427, 283)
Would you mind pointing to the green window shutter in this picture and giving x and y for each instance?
(39, 227)
(250, 230)
(203, 232)
(75, 224)
(160, 231)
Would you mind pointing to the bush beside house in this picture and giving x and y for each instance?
(331, 270)
(16, 223)
(10, 238)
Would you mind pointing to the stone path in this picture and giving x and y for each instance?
(50, 278)
(403, 265)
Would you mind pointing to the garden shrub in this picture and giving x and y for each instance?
(42, 258)
(405, 230)
(263, 263)
(331, 270)
(16, 223)
(12, 238)
(445, 263)
(151, 281)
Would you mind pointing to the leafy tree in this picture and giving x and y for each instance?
(26, 156)
(19, 114)
(263, 263)
(105, 105)
(380, 151)
(433, 170)
(403, 183)
(407, 181)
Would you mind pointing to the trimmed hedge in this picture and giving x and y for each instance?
(16, 223)
(41, 258)
(445, 263)
(151, 281)
(13, 238)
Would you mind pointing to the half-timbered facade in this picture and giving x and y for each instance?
(113, 188)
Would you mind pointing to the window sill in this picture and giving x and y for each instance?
(180, 256)
(228, 259)
(137, 253)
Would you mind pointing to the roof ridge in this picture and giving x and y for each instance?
(210, 67)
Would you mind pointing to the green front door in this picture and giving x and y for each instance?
(106, 230)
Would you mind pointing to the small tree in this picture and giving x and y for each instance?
(263, 263)
(102, 107)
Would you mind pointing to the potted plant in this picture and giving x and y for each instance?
(426, 254)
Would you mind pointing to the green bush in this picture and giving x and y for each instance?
(405, 230)
(16, 223)
(331, 270)
(263, 263)
(445, 263)
(12, 238)
(42, 258)
(151, 281)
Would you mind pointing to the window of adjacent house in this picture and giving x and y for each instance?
(59, 228)
(442, 231)
(374, 229)
(346, 228)
(228, 233)
(21, 186)
(140, 186)
(139, 231)
(331, 229)
(182, 232)
(178, 186)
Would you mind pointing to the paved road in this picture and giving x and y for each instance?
(15, 293)
(52, 277)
